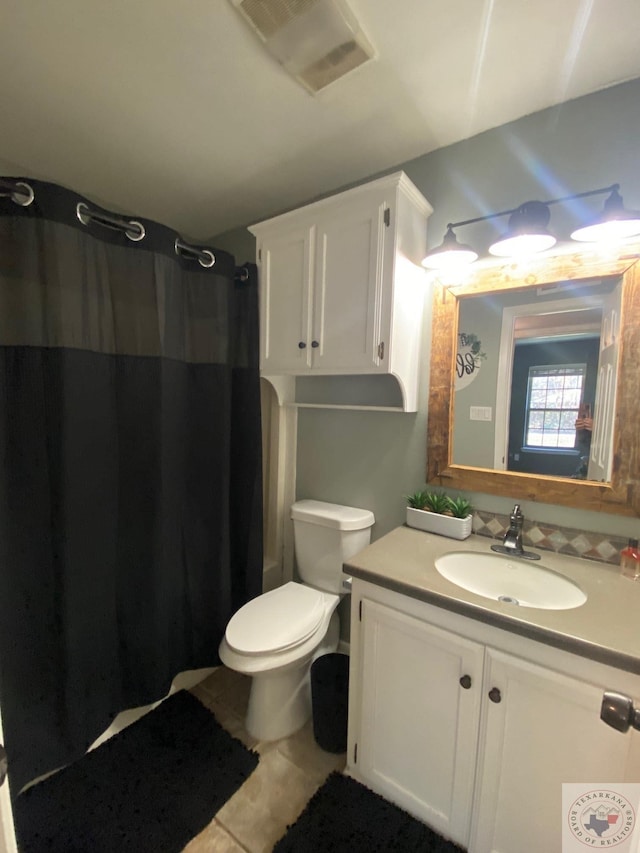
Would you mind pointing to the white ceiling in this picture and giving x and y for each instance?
(175, 111)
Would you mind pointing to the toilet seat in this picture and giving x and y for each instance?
(277, 620)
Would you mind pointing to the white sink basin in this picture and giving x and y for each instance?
(511, 580)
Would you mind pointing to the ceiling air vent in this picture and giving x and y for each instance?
(317, 41)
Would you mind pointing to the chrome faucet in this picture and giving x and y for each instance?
(512, 541)
(513, 537)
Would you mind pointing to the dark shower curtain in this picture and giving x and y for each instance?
(130, 470)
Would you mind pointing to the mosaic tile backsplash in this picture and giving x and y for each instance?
(562, 540)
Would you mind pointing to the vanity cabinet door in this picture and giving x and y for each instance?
(539, 728)
(418, 716)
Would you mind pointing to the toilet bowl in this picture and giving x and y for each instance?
(275, 637)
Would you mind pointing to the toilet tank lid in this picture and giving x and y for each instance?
(332, 515)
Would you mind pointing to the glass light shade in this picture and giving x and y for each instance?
(522, 244)
(615, 222)
(616, 229)
(449, 254)
(527, 232)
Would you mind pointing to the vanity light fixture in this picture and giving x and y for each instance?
(527, 231)
(614, 223)
(449, 252)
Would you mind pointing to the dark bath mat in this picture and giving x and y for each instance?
(344, 816)
(150, 789)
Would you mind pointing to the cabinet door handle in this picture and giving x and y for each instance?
(495, 695)
(465, 682)
(315, 344)
(301, 345)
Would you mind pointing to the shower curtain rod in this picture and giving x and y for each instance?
(22, 193)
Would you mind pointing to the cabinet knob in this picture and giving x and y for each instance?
(315, 344)
(495, 695)
(465, 682)
(301, 345)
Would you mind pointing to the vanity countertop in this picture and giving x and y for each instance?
(605, 628)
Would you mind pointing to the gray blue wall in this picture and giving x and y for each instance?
(373, 459)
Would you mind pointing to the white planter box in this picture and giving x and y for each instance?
(443, 525)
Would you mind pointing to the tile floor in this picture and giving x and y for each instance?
(288, 774)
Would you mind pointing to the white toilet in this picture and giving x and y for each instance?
(276, 636)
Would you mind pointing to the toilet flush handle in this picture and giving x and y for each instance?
(346, 584)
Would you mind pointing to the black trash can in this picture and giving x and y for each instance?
(330, 701)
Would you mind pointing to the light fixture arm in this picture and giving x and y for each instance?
(513, 210)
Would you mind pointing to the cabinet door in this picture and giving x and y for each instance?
(544, 730)
(418, 727)
(348, 283)
(286, 264)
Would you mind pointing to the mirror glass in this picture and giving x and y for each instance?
(481, 318)
(535, 379)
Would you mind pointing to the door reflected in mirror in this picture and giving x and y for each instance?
(535, 380)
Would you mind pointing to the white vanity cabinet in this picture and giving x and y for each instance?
(474, 729)
(341, 286)
(417, 732)
(545, 730)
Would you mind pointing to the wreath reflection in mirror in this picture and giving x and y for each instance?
(469, 358)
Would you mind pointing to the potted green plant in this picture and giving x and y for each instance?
(437, 512)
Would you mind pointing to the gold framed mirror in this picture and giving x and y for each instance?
(621, 493)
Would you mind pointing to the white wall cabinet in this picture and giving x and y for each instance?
(471, 738)
(341, 286)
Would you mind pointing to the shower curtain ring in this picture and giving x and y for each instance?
(23, 196)
(205, 257)
(135, 235)
(210, 262)
(82, 212)
(133, 229)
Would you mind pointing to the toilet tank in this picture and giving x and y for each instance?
(325, 536)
